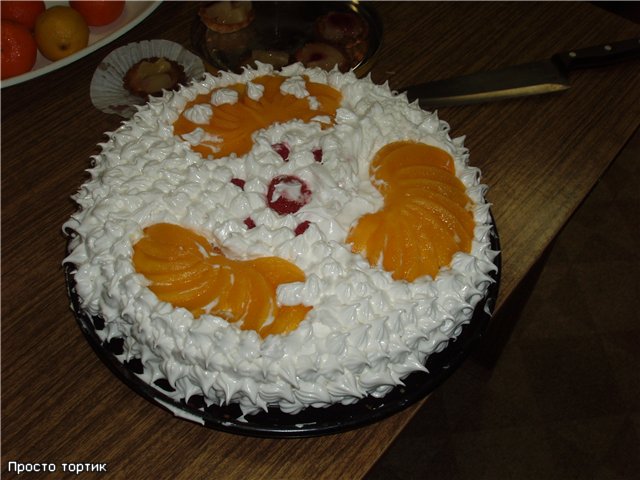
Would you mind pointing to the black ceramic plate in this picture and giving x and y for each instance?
(284, 27)
(311, 421)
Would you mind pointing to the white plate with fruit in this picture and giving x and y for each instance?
(133, 12)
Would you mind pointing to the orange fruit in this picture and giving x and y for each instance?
(99, 12)
(19, 50)
(23, 12)
(61, 31)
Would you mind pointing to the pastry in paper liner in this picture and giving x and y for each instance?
(107, 91)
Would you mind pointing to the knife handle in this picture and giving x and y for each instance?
(599, 56)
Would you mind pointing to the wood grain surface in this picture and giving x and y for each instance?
(540, 157)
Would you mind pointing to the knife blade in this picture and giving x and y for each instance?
(545, 76)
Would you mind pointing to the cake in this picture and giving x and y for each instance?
(281, 239)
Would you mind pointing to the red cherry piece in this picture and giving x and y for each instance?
(238, 182)
(287, 194)
(317, 154)
(249, 223)
(302, 227)
(282, 149)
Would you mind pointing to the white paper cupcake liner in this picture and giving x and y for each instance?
(107, 89)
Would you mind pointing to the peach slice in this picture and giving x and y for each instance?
(178, 281)
(287, 320)
(277, 271)
(417, 252)
(426, 172)
(457, 227)
(421, 187)
(459, 220)
(407, 153)
(412, 260)
(359, 235)
(167, 248)
(157, 250)
(234, 298)
(328, 97)
(235, 123)
(187, 271)
(428, 262)
(180, 276)
(146, 264)
(438, 230)
(193, 298)
(361, 232)
(426, 216)
(382, 154)
(448, 208)
(376, 242)
(393, 250)
(262, 306)
(173, 234)
(434, 247)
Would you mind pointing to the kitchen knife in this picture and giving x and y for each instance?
(534, 78)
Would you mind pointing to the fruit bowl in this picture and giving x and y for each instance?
(134, 13)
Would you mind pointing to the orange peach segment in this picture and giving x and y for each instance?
(182, 280)
(180, 276)
(359, 235)
(234, 293)
(407, 153)
(235, 123)
(277, 270)
(287, 320)
(426, 216)
(262, 306)
(393, 252)
(426, 172)
(146, 264)
(172, 234)
(187, 271)
(418, 187)
(434, 245)
(376, 242)
(196, 297)
(459, 220)
(411, 265)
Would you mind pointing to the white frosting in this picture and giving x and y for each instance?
(199, 114)
(199, 136)
(365, 333)
(294, 86)
(224, 95)
(255, 91)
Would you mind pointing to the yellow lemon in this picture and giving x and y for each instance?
(61, 31)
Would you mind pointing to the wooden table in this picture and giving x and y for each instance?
(540, 156)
